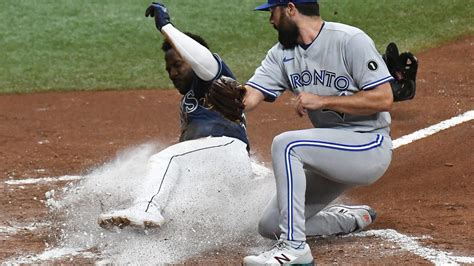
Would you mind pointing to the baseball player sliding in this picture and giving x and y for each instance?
(212, 126)
(342, 83)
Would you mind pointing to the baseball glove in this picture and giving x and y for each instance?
(403, 67)
(226, 96)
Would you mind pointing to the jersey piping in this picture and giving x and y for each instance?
(320, 144)
(268, 92)
(374, 84)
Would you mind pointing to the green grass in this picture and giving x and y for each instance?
(104, 44)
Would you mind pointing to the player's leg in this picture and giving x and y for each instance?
(340, 156)
(290, 180)
(142, 212)
(163, 173)
(320, 220)
(325, 224)
(320, 191)
(340, 219)
(333, 164)
(334, 219)
(165, 168)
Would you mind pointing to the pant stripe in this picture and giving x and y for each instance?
(178, 155)
(321, 144)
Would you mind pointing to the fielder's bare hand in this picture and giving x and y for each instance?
(306, 100)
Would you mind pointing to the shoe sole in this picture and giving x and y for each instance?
(122, 222)
(305, 264)
(112, 222)
(298, 264)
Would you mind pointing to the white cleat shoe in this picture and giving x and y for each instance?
(283, 253)
(135, 216)
(363, 214)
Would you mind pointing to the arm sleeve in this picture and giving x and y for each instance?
(365, 63)
(202, 61)
(269, 78)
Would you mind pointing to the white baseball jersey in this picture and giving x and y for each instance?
(342, 60)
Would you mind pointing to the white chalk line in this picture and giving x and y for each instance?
(407, 243)
(32, 181)
(14, 229)
(49, 254)
(438, 257)
(423, 133)
(52, 254)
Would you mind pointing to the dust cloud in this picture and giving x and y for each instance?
(210, 210)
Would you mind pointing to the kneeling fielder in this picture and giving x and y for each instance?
(195, 71)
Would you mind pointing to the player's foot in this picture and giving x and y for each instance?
(135, 216)
(283, 253)
(363, 214)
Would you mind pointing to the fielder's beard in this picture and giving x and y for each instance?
(288, 33)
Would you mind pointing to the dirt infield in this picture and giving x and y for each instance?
(427, 192)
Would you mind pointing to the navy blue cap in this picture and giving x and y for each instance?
(274, 3)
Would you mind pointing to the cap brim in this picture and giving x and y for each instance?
(264, 7)
(267, 6)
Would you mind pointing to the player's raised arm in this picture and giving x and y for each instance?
(203, 63)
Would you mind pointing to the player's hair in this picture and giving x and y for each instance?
(167, 45)
(308, 9)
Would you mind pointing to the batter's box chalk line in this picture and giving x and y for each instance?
(13, 229)
(52, 254)
(423, 133)
(410, 244)
(33, 181)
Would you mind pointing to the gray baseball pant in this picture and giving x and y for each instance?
(312, 168)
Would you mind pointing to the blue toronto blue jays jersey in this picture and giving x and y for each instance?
(198, 121)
